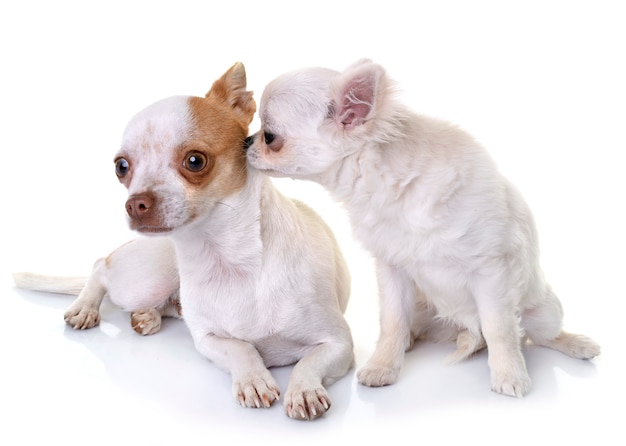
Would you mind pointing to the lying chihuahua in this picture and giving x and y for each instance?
(455, 243)
(262, 280)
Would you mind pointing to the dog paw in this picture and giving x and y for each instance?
(146, 322)
(377, 376)
(579, 346)
(81, 318)
(583, 347)
(306, 403)
(511, 385)
(256, 391)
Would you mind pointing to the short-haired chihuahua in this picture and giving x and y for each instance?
(260, 277)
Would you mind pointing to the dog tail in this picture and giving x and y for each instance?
(49, 284)
(467, 344)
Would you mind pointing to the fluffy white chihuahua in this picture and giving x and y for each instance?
(455, 244)
(262, 280)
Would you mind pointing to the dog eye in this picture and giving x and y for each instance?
(121, 167)
(273, 142)
(248, 142)
(269, 137)
(195, 161)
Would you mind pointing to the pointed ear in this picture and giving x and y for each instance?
(231, 88)
(356, 93)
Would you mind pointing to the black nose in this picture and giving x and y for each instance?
(248, 142)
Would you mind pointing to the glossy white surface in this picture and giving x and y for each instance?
(541, 85)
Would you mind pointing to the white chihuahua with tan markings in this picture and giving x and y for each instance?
(455, 243)
(262, 280)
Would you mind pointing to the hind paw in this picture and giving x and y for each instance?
(146, 322)
(574, 345)
(581, 347)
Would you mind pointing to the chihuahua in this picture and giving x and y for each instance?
(455, 244)
(261, 279)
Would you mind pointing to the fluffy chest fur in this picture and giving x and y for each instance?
(245, 275)
(432, 195)
(220, 264)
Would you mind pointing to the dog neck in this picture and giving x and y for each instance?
(350, 176)
(391, 160)
(228, 241)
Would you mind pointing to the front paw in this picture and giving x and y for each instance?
(146, 322)
(511, 384)
(303, 403)
(373, 375)
(81, 318)
(258, 390)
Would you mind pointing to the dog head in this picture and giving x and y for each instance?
(312, 118)
(182, 155)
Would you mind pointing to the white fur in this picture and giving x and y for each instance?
(262, 280)
(455, 243)
(140, 276)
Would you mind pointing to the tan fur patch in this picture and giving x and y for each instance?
(218, 133)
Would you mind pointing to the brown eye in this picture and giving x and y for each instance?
(121, 167)
(195, 161)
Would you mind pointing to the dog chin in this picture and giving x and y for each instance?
(152, 230)
(278, 171)
(274, 173)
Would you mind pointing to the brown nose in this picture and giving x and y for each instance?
(140, 206)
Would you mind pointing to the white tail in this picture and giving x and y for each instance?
(50, 284)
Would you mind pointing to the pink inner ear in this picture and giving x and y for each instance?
(358, 101)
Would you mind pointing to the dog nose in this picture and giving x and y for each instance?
(248, 142)
(139, 206)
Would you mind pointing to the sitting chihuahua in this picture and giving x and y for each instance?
(262, 281)
(455, 243)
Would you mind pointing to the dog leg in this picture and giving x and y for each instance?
(427, 326)
(501, 329)
(506, 362)
(85, 310)
(306, 397)
(142, 278)
(543, 327)
(574, 345)
(397, 298)
(253, 384)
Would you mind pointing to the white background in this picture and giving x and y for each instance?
(540, 83)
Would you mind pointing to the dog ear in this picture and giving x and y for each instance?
(231, 88)
(356, 93)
